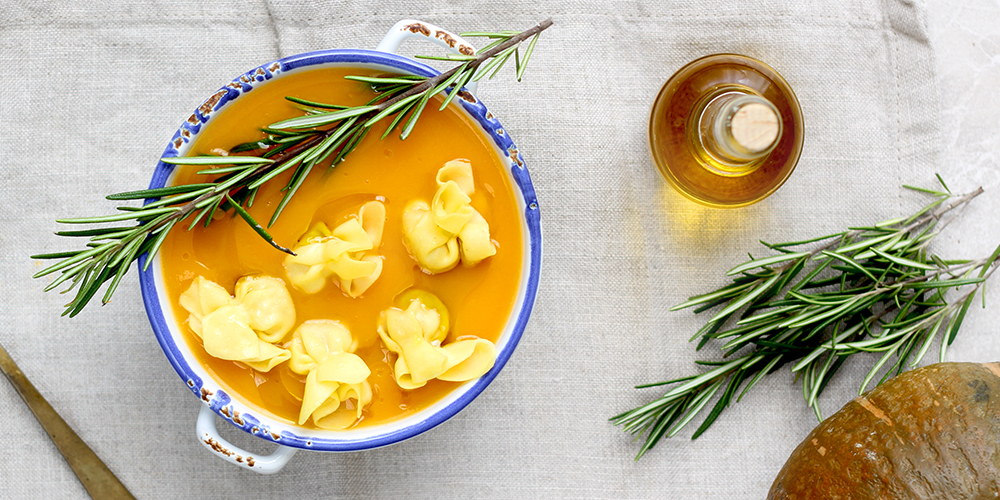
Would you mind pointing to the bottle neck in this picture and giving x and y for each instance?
(737, 129)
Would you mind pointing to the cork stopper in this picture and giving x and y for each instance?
(738, 130)
(755, 127)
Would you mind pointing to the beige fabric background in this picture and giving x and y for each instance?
(91, 92)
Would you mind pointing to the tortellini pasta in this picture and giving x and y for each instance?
(415, 334)
(449, 229)
(245, 327)
(349, 253)
(337, 388)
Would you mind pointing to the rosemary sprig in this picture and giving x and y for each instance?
(868, 289)
(325, 133)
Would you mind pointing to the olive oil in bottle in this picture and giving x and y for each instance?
(726, 131)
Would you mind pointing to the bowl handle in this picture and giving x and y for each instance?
(209, 436)
(411, 28)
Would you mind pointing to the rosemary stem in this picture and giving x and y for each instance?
(933, 216)
(326, 133)
(472, 65)
(885, 295)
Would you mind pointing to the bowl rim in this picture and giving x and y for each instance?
(263, 426)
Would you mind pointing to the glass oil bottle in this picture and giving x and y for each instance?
(726, 131)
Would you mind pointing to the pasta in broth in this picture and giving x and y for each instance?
(389, 173)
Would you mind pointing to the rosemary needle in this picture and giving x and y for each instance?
(871, 289)
(325, 134)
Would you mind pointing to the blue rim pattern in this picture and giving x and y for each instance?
(218, 400)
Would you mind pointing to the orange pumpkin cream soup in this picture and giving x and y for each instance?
(405, 273)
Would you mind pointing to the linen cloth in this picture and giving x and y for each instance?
(91, 92)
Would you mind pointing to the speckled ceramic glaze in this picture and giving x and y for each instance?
(233, 410)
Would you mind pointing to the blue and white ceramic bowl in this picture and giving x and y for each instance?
(291, 437)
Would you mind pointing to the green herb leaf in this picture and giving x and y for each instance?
(769, 261)
(882, 270)
(215, 160)
(326, 132)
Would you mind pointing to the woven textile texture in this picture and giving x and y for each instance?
(90, 94)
